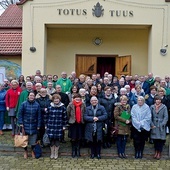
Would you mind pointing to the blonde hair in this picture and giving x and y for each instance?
(123, 98)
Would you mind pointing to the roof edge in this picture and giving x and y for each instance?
(22, 2)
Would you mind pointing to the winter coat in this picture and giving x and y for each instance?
(108, 104)
(122, 130)
(44, 102)
(88, 117)
(55, 120)
(12, 97)
(2, 101)
(71, 113)
(159, 120)
(30, 116)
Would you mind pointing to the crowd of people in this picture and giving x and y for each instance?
(91, 107)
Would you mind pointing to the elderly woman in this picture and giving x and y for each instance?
(44, 101)
(11, 101)
(2, 107)
(141, 119)
(122, 122)
(29, 118)
(158, 125)
(94, 117)
(55, 122)
(75, 112)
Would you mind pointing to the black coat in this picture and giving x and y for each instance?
(108, 105)
(64, 98)
(88, 118)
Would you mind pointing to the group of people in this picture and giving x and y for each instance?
(91, 107)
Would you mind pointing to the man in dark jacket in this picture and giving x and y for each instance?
(94, 117)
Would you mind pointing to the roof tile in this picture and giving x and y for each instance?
(11, 42)
(11, 18)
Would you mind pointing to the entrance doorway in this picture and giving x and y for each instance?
(106, 64)
(114, 64)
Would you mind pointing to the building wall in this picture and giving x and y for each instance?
(38, 15)
(63, 44)
(14, 59)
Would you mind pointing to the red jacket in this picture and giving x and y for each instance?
(12, 97)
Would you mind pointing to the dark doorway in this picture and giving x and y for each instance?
(106, 64)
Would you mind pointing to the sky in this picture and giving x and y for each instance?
(1, 11)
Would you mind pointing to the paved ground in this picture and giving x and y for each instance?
(12, 159)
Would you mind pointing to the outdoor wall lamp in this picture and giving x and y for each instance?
(97, 41)
(33, 49)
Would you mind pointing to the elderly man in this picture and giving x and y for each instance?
(95, 117)
(65, 83)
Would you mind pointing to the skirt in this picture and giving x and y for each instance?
(32, 139)
(76, 131)
(11, 112)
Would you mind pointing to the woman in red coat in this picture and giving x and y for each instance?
(11, 100)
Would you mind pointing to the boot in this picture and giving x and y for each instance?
(26, 154)
(78, 149)
(73, 150)
(136, 154)
(56, 152)
(156, 153)
(140, 154)
(52, 152)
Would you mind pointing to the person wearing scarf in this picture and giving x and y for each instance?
(158, 125)
(95, 116)
(141, 119)
(75, 112)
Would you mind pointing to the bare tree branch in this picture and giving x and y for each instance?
(5, 3)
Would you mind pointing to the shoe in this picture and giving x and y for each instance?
(98, 156)
(156, 153)
(120, 156)
(12, 135)
(124, 155)
(33, 155)
(1, 133)
(56, 152)
(136, 154)
(52, 152)
(92, 156)
(140, 155)
(25, 154)
(4, 127)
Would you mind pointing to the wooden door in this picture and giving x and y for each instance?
(123, 65)
(86, 65)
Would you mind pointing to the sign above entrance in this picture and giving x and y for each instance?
(97, 11)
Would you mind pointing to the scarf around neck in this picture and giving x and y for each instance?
(157, 106)
(77, 110)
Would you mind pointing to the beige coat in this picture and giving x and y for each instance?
(122, 130)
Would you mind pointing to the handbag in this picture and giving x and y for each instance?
(46, 140)
(37, 150)
(114, 131)
(20, 139)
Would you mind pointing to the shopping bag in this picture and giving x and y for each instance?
(37, 150)
(46, 140)
(20, 139)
